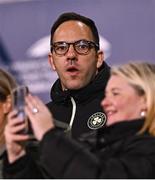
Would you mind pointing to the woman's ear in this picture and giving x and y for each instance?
(143, 104)
(7, 105)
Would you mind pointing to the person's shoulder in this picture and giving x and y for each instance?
(142, 143)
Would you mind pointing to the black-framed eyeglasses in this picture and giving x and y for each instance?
(81, 47)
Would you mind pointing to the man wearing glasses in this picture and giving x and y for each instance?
(77, 93)
(76, 57)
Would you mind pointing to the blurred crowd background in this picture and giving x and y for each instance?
(126, 28)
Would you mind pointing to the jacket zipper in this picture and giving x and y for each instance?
(73, 114)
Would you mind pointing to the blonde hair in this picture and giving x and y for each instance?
(141, 75)
(7, 83)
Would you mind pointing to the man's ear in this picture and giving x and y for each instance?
(50, 60)
(7, 105)
(100, 58)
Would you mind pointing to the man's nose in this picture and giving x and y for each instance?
(71, 51)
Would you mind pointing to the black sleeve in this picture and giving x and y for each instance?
(62, 157)
(26, 167)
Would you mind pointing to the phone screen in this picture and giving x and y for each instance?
(18, 95)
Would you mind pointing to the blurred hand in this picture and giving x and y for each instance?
(40, 117)
(15, 140)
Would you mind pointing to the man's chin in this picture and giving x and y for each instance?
(74, 86)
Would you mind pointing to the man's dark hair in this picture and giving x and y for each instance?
(76, 17)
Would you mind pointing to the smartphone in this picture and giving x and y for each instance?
(18, 102)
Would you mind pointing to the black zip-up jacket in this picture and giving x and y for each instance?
(76, 107)
(117, 152)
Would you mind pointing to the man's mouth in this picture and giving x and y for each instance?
(73, 70)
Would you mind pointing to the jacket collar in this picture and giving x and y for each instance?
(121, 130)
(109, 134)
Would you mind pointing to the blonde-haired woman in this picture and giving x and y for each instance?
(140, 76)
(7, 83)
